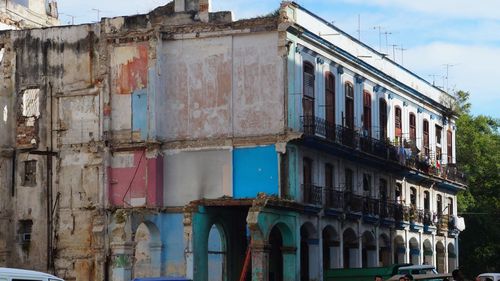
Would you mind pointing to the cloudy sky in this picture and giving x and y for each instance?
(460, 36)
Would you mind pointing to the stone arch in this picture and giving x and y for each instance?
(414, 251)
(399, 249)
(440, 260)
(331, 248)
(280, 237)
(350, 248)
(369, 250)
(217, 250)
(309, 252)
(428, 252)
(384, 250)
(452, 257)
(147, 252)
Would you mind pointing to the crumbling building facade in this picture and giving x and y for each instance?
(183, 143)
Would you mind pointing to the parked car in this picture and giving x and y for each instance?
(417, 269)
(14, 274)
(489, 277)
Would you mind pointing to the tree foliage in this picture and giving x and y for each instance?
(478, 154)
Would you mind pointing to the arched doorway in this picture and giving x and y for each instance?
(275, 255)
(351, 248)
(309, 248)
(369, 247)
(147, 254)
(384, 250)
(428, 252)
(399, 249)
(331, 248)
(452, 257)
(216, 254)
(440, 266)
(414, 251)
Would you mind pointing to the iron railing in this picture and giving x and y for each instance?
(405, 153)
(313, 194)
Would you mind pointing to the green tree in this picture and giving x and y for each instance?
(478, 153)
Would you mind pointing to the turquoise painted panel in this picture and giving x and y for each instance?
(255, 170)
(140, 113)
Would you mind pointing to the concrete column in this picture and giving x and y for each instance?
(289, 257)
(4, 254)
(421, 248)
(434, 252)
(407, 247)
(377, 247)
(341, 254)
(155, 249)
(260, 262)
(360, 247)
(122, 259)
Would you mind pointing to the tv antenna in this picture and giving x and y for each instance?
(98, 14)
(402, 49)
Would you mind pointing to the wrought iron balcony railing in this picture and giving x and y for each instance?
(313, 194)
(405, 153)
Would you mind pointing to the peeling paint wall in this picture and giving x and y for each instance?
(135, 180)
(233, 88)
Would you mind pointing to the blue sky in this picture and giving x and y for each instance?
(460, 33)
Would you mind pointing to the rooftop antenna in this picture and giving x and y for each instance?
(402, 49)
(71, 16)
(98, 14)
(447, 65)
(433, 78)
(379, 37)
(394, 51)
(386, 42)
(359, 27)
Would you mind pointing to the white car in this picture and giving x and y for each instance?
(489, 276)
(14, 274)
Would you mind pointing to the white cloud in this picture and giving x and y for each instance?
(486, 9)
(474, 69)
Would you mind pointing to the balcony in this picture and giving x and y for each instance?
(351, 143)
(312, 194)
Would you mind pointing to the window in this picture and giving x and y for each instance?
(349, 105)
(413, 197)
(427, 201)
(450, 206)
(398, 193)
(397, 123)
(367, 182)
(426, 137)
(367, 113)
(383, 189)
(383, 118)
(307, 179)
(29, 178)
(439, 204)
(449, 147)
(330, 105)
(439, 131)
(413, 129)
(24, 231)
(438, 143)
(308, 96)
(328, 176)
(348, 180)
(307, 171)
